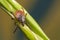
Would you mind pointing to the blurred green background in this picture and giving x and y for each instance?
(45, 12)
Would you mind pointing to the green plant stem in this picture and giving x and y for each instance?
(25, 29)
(7, 6)
(29, 32)
(34, 26)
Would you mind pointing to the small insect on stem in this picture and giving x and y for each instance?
(20, 15)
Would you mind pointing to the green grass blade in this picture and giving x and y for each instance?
(25, 29)
(35, 27)
(7, 5)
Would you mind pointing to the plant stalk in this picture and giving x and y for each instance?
(34, 26)
(25, 29)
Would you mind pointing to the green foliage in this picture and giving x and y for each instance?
(35, 33)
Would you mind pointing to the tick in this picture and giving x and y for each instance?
(20, 15)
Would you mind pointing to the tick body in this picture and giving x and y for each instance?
(20, 16)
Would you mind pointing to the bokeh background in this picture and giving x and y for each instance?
(45, 12)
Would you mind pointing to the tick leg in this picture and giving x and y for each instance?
(16, 28)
